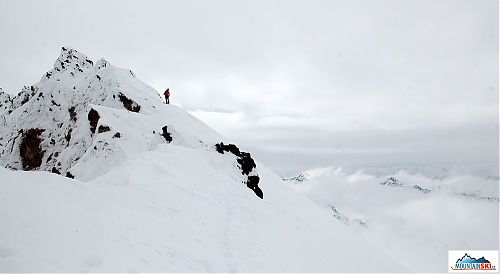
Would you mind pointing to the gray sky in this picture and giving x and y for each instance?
(300, 84)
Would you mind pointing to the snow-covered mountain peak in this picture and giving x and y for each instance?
(82, 119)
(72, 62)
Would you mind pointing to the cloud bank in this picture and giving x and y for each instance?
(301, 83)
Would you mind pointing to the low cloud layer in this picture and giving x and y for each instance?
(301, 83)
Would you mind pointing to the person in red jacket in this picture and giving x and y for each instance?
(167, 96)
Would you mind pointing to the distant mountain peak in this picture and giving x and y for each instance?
(391, 181)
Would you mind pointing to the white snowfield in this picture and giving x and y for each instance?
(139, 203)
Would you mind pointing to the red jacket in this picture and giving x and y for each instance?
(166, 93)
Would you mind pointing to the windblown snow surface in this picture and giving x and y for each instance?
(414, 218)
(107, 191)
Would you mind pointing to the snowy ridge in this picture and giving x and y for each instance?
(130, 117)
(151, 191)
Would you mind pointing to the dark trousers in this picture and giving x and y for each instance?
(167, 101)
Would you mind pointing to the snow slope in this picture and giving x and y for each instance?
(139, 202)
(410, 215)
(171, 209)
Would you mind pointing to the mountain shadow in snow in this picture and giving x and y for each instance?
(246, 164)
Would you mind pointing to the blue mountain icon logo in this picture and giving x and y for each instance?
(468, 259)
(470, 263)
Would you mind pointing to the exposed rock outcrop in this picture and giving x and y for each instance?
(93, 119)
(166, 134)
(129, 104)
(30, 150)
(246, 164)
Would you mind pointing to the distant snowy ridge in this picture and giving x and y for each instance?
(311, 174)
(414, 181)
(410, 215)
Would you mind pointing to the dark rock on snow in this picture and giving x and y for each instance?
(93, 119)
(30, 150)
(129, 104)
(103, 128)
(166, 134)
(246, 164)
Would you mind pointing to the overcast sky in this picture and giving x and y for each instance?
(300, 84)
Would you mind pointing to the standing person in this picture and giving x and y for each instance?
(167, 96)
